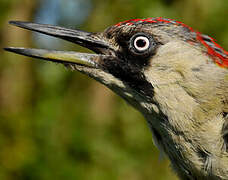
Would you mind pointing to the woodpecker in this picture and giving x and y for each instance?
(175, 76)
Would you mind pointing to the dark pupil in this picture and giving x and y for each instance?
(141, 43)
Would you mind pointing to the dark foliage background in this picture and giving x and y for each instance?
(58, 124)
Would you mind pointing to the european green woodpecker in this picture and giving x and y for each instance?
(175, 76)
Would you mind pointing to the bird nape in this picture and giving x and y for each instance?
(175, 76)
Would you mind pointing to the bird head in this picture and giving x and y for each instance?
(133, 57)
(176, 76)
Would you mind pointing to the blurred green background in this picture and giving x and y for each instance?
(58, 124)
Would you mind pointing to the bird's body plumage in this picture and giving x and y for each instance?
(175, 76)
(190, 97)
(193, 97)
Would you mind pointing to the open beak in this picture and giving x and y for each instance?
(91, 41)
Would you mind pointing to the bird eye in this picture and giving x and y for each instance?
(141, 43)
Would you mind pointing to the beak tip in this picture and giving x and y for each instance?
(16, 50)
(10, 49)
(14, 22)
(21, 24)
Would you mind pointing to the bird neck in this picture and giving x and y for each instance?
(183, 126)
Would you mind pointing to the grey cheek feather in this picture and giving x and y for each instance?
(131, 75)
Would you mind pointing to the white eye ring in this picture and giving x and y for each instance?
(141, 43)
